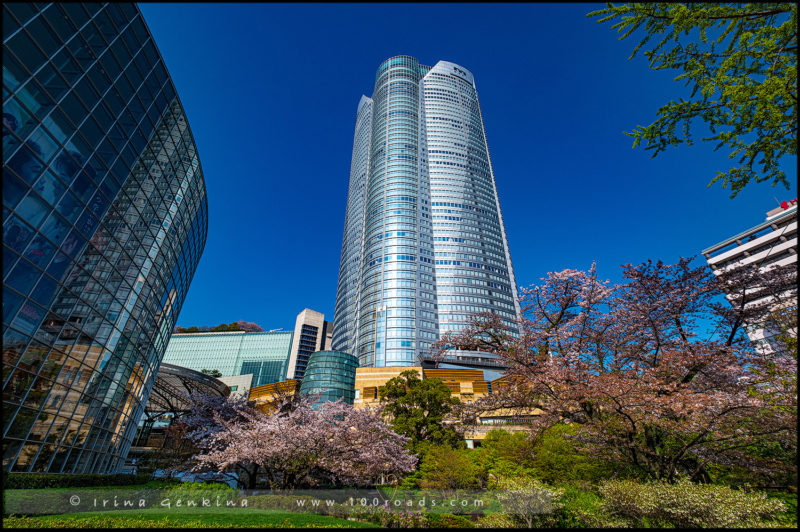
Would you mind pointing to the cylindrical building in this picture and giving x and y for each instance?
(424, 244)
(105, 218)
(332, 374)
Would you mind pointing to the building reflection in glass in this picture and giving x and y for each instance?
(104, 221)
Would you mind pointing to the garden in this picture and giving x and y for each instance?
(653, 410)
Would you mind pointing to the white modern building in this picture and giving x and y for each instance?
(424, 244)
(311, 334)
(771, 243)
(238, 384)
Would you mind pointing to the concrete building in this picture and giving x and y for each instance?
(311, 333)
(424, 244)
(239, 384)
(768, 244)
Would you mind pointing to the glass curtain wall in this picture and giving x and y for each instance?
(433, 249)
(104, 221)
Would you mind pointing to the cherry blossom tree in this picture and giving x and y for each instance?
(657, 370)
(299, 446)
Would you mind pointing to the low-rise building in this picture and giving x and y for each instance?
(467, 385)
(239, 384)
(265, 355)
(265, 397)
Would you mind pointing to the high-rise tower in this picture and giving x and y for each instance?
(424, 242)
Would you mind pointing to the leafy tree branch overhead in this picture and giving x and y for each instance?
(740, 61)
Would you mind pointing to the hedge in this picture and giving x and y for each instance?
(48, 480)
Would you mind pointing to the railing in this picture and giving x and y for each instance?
(466, 361)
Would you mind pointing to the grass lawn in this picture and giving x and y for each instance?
(183, 517)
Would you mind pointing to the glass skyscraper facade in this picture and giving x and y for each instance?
(424, 243)
(104, 221)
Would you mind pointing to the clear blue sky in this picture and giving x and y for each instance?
(271, 91)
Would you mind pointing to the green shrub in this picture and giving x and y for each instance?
(445, 468)
(401, 519)
(498, 520)
(449, 521)
(48, 480)
(553, 458)
(687, 505)
(556, 460)
(529, 501)
(292, 503)
(790, 501)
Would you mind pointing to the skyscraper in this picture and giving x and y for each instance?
(104, 221)
(424, 242)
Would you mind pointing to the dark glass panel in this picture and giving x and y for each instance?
(43, 460)
(9, 258)
(122, 55)
(76, 13)
(12, 301)
(10, 446)
(107, 29)
(32, 209)
(26, 51)
(93, 7)
(59, 21)
(116, 14)
(45, 291)
(13, 71)
(10, 25)
(70, 207)
(49, 187)
(40, 251)
(87, 93)
(16, 234)
(110, 64)
(74, 108)
(93, 39)
(52, 82)
(98, 77)
(47, 40)
(26, 162)
(13, 189)
(26, 456)
(128, 10)
(55, 228)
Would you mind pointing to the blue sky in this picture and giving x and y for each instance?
(271, 92)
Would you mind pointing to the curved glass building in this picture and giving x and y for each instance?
(424, 242)
(104, 221)
(332, 374)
